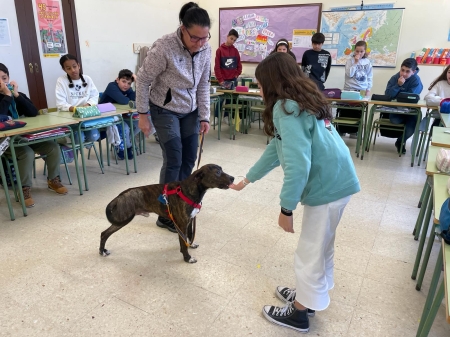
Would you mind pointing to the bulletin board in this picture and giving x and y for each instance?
(260, 27)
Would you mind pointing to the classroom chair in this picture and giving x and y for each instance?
(357, 123)
(383, 123)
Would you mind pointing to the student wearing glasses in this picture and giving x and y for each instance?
(177, 68)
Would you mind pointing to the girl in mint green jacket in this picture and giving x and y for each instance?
(318, 172)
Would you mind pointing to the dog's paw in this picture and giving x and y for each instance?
(146, 214)
(192, 260)
(105, 252)
(194, 246)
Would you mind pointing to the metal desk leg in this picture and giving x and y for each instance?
(19, 183)
(5, 188)
(427, 316)
(126, 152)
(416, 137)
(424, 200)
(368, 128)
(75, 157)
(426, 224)
(83, 162)
(133, 142)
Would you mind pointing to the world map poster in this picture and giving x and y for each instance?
(379, 28)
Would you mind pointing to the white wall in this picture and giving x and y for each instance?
(108, 28)
(425, 24)
(11, 56)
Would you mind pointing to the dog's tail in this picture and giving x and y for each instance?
(122, 209)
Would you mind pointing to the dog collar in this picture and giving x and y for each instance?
(181, 195)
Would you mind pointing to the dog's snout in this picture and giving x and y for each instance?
(231, 179)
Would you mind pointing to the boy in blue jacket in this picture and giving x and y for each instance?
(406, 80)
(120, 92)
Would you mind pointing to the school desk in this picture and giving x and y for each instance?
(38, 124)
(445, 119)
(233, 96)
(434, 299)
(441, 137)
(81, 128)
(378, 106)
(358, 105)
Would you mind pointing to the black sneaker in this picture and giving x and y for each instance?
(287, 295)
(287, 316)
(166, 223)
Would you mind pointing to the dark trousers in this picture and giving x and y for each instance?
(178, 138)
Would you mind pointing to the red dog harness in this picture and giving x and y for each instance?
(178, 192)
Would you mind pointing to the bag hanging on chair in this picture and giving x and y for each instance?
(443, 161)
(86, 111)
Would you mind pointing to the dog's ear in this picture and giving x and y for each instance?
(199, 176)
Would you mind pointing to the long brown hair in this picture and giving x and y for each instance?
(442, 77)
(281, 78)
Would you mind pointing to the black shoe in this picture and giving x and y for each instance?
(287, 295)
(397, 145)
(166, 223)
(288, 317)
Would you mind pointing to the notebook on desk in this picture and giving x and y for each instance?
(46, 134)
(253, 90)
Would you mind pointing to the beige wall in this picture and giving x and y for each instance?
(108, 28)
(426, 23)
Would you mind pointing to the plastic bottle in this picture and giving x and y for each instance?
(413, 55)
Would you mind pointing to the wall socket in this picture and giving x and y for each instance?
(137, 46)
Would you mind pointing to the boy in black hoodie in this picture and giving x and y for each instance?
(14, 104)
(316, 62)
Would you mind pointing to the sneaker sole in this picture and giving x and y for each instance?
(161, 225)
(310, 314)
(271, 320)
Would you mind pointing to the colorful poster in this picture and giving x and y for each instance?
(51, 33)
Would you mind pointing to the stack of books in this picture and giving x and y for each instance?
(434, 56)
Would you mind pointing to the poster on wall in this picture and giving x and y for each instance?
(51, 33)
(260, 28)
(5, 36)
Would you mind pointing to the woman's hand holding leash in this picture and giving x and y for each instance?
(286, 222)
(144, 124)
(204, 127)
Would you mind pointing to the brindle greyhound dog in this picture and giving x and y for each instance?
(184, 199)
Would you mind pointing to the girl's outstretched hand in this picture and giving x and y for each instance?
(237, 187)
(286, 222)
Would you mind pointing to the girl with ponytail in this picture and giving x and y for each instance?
(75, 89)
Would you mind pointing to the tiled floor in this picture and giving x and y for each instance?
(54, 283)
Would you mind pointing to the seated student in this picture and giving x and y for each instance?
(120, 92)
(76, 90)
(14, 104)
(406, 80)
(227, 66)
(316, 62)
(358, 77)
(282, 46)
(439, 89)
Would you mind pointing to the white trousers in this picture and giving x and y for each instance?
(314, 265)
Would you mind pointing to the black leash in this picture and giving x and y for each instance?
(194, 221)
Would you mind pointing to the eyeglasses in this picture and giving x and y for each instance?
(196, 39)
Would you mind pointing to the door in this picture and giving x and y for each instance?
(47, 30)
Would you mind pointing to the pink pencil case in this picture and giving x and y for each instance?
(106, 107)
(241, 88)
